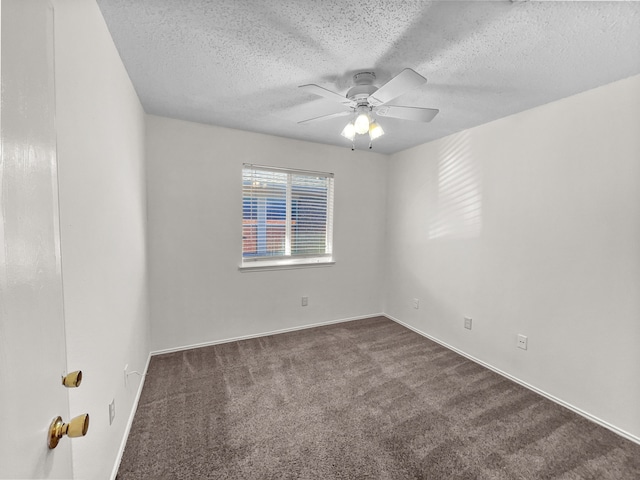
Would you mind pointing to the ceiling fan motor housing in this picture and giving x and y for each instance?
(363, 87)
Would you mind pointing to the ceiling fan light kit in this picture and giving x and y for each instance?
(374, 130)
(365, 99)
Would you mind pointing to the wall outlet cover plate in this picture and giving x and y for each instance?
(522, 342)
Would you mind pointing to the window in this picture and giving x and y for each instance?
(287, 217)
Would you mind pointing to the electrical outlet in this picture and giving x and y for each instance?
(416, 303)
(112, 411)
(467, 323)
(305, 301)
(522, 342)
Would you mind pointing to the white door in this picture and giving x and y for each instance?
(32, 337)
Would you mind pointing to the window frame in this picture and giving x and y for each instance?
(289, 260)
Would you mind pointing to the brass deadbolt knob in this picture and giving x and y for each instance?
(73, 379)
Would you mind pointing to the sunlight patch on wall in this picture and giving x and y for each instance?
(459, 202)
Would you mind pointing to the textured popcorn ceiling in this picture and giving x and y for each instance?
(237, 63)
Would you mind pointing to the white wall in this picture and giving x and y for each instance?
(195, 209)
(100, 125)
(530, 225)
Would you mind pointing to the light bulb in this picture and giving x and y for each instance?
(349, 131)
(362, 123)
(375, 131)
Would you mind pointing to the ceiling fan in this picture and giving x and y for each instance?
(364, 99)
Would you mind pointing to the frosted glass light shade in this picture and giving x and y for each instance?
(362, 123)
(375, 131)
(349, 131)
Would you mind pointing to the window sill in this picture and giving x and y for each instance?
(267, 265)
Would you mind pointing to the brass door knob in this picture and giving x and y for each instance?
(77, 427)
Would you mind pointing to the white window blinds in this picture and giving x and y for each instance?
(286, 213)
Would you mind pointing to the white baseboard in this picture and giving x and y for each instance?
(132, 414)
(588, 416)
(264, 334)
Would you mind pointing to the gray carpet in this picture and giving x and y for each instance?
(364, 399)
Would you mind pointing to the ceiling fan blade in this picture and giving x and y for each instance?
(324, 117)
(415, 114)
(406, 80)
(323, 92)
